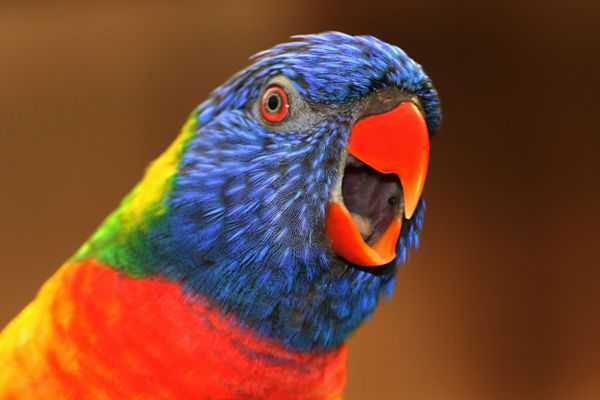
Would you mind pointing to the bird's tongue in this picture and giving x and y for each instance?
(373, 199)
(392, 150)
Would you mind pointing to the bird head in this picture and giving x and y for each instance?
(295, 189)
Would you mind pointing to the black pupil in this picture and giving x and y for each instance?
(273, 102)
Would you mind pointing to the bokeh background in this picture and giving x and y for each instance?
(503, 299)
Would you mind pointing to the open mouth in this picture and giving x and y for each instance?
(373, 199)
(379, 185)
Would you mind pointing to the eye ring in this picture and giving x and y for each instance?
(274, 104)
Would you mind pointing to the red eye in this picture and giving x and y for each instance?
(274, 104)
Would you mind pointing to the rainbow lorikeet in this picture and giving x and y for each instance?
(252, 247)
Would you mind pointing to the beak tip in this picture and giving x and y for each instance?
(409, 211)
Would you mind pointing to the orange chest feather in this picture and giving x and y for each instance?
(95, 333)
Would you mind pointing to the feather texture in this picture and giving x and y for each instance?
(94, 333)
(214, 278)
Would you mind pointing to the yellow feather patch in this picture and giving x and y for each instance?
(24, 341)
(148, 195)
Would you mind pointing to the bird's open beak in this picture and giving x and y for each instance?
(394, 142)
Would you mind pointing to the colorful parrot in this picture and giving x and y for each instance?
(252, 247)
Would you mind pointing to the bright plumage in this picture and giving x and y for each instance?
(252, 247)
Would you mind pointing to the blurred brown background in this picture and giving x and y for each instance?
(503, 299)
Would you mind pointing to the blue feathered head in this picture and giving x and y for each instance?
(282, 212)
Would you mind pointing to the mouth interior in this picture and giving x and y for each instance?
(373, 199)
